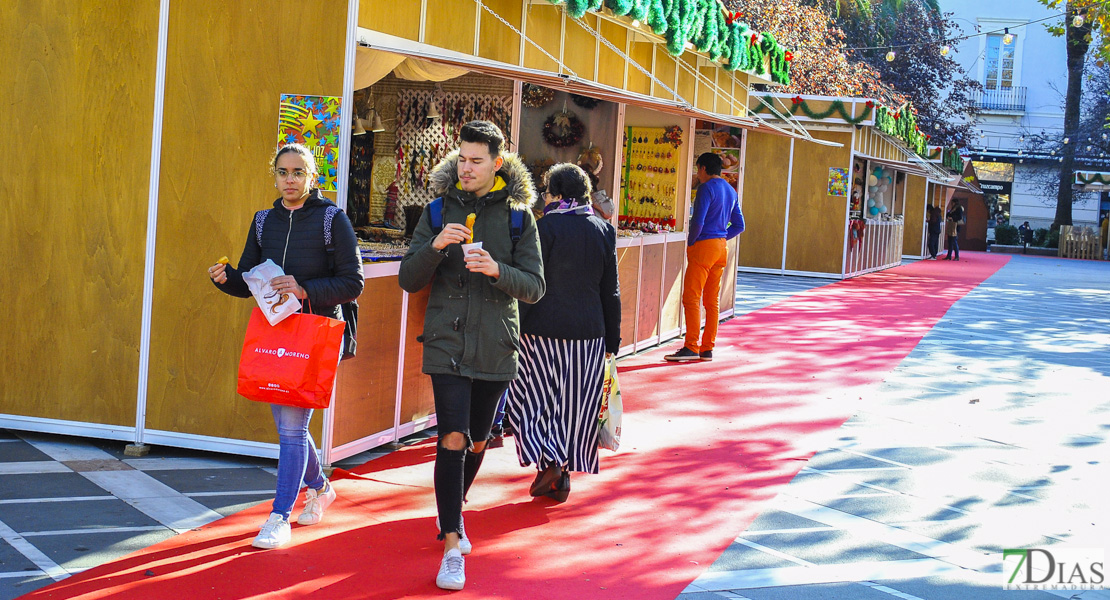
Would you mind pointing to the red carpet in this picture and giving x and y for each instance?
(705, 445)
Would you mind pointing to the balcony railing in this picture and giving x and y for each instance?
(1009, 99)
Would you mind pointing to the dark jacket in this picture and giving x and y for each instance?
(472, 323)
(294, 240)
(583, 299)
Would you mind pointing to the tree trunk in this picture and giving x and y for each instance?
(1077, 42)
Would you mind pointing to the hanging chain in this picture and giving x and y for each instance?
(628, 59)
(525, 38)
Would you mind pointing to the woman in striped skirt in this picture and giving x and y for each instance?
(566, 337)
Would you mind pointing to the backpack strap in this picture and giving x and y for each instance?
(516, 225)
(329, 217)
(435, 214)
(259, 220)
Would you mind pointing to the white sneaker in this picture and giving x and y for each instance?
(451, 574)
(464, 542)
(315, 504)
(274, 534)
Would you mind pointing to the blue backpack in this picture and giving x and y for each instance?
(516, 220)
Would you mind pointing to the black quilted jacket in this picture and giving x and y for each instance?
(295, 241)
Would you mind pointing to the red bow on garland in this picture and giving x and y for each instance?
(870, 104)
(789, 56)
(797, 100)
(755, 38)
(730, 17)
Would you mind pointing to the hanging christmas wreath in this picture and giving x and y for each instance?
(585, 101)
(536, 96)
(563, 129)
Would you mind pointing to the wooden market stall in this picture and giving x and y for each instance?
(839, 208)
(126, 339)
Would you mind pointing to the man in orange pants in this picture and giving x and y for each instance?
(716, 219)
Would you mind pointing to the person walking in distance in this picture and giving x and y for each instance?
(952, 229)
(934, 220)
(716, 219)
(566, 338)
(471, 326)
(1025, 232)
(294, 234)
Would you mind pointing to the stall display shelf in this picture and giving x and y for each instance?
(651, 186)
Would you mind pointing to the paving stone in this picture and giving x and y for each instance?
(216, 480)
(57, 516)
(952, 587)
(740, 557)
(20, 451)
(79, 551)
(231, 504)
(47, 485)
(834, 547)
(777, 519)
(11, 588)
(11, 561)
(823, 591)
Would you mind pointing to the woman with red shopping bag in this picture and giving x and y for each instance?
(312, 241)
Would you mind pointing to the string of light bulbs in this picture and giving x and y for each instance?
(946, 44)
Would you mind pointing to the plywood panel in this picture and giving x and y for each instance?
(816, 239)
(417, 401)
(495, 40)
(651, 276)
(707, 90)
(766, 160)
(628, 272)
(366, 389)
(580, 47)
(641, 52)
(545, 29)
(671, 318)
(687, 82)
(449, 24)
(728, 280)
(401, 19)
(665, 68)
(610, 68)
(914, 216)
(77, 91)
(222, 99)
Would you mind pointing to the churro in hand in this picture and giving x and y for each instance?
(223, 260)
(470, 225)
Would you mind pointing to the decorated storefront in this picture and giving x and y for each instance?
(842, 206)
(381, 96)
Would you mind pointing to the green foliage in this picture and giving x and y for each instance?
(1040, 236)
(1006, 235)
(701, 23)
(902, 125)
(836, 107)
(1052, 238)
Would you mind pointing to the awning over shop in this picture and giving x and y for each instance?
(381, 53)
(905, 167)
(1093, 181)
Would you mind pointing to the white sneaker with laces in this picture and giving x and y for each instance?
(274, 534)
(451, 571)
(315, 503)
(464, 542)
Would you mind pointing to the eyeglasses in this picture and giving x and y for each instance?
(298, 174)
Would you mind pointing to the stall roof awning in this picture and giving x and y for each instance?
(1093, 181)
(912, 169)
(376, 40)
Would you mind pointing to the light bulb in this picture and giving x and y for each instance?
(1052, 152)
(890, 56)
(635, 24)
(1077, 21)
(1008, 38)
(1088, 148)
(1104, 136)
(1021, 160)
(1066, 140)
(1021, 139)
(945, 49)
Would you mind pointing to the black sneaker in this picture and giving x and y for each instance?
(683, 355)
(707, 355)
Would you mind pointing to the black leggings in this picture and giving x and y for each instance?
(465, 406)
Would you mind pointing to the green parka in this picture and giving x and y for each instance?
(472, 325)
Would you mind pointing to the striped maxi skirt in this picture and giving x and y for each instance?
(555, 400)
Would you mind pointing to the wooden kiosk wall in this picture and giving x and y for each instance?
(913, 244)
(77, 93)
(815, 231)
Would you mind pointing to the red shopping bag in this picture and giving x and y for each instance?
(291, 363)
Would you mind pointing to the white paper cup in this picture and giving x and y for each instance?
(468, 248)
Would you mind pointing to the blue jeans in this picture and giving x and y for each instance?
(297, 460)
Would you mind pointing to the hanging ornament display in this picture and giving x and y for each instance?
(536, 96)
(585, 101)
(563, 129)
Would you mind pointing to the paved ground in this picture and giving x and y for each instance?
(992, 433)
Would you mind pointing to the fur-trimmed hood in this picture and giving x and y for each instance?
(518, 180)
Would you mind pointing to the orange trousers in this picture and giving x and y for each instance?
(705, 264)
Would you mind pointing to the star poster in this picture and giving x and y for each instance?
(314, 122)
(838, 182)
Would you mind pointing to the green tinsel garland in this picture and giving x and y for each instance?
(1095, 178)
(902, 125)
(837, 106)
(701, 23)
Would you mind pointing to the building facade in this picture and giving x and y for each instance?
(1022, 68)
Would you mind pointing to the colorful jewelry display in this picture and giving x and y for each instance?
(650, 179)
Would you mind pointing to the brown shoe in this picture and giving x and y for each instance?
(545, 480)
(561, 490)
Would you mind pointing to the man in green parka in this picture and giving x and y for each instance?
(472, 326)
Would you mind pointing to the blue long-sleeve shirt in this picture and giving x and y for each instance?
(716, 213)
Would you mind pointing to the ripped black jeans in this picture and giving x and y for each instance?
(466, 406)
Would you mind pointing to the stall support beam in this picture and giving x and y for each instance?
(138, 448)
(786, 219)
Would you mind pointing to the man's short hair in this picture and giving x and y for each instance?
(484, 132)
(569, 181)
(711, 162)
